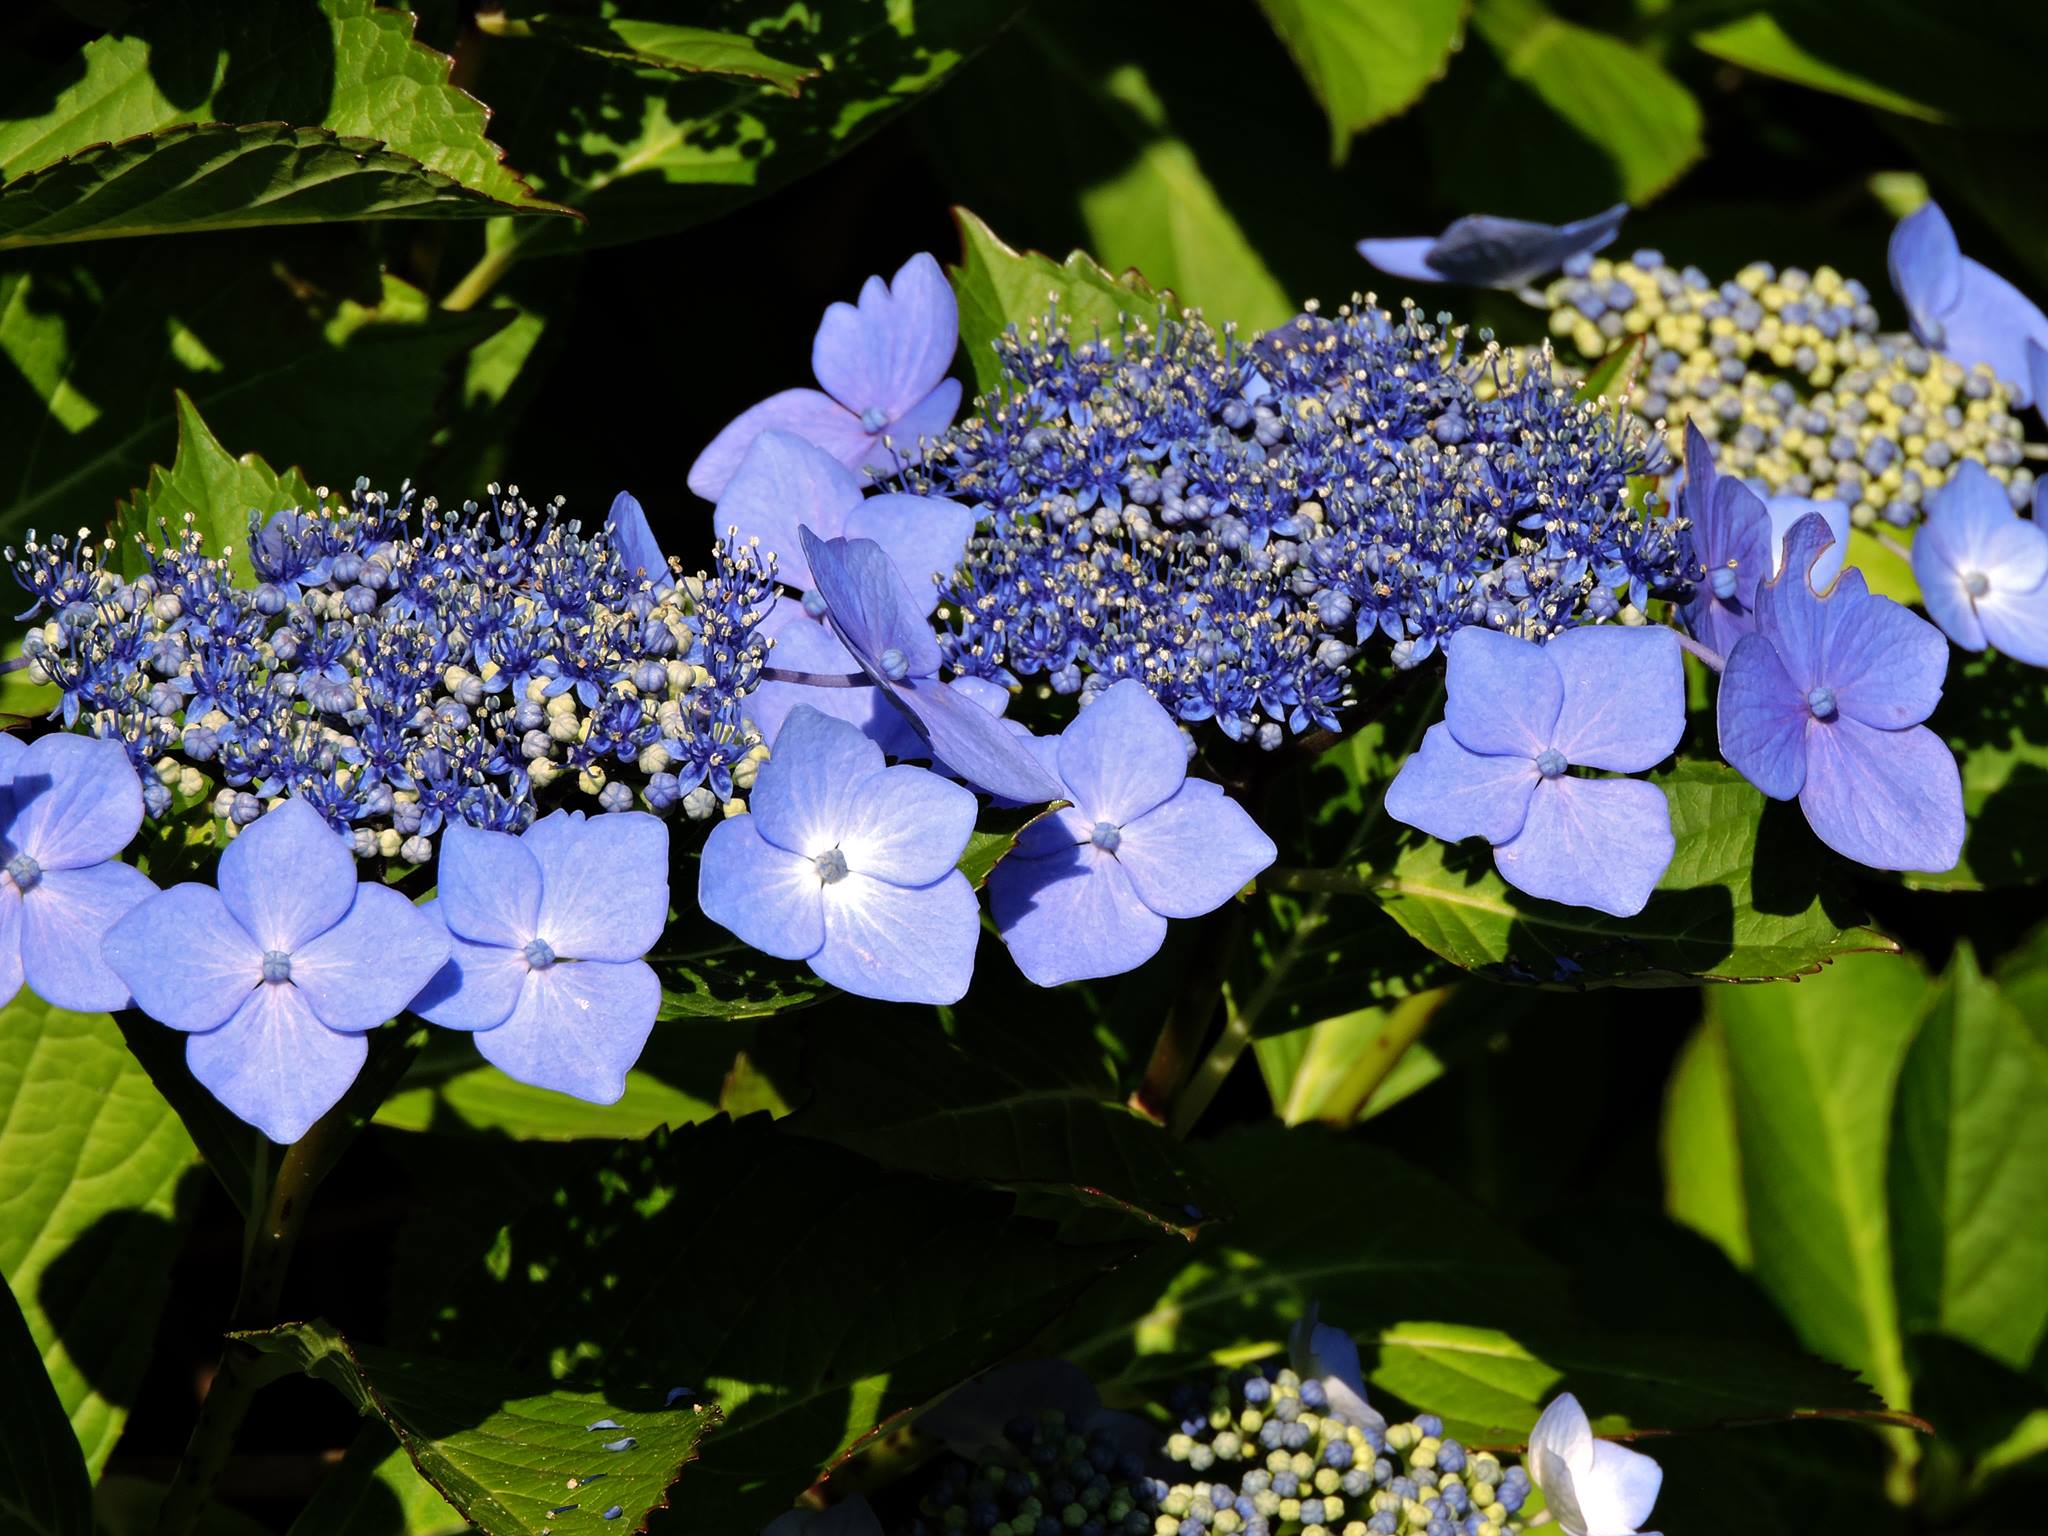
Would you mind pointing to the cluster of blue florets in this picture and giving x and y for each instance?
(400, 665)
(1060, 1481)
(1230, 524)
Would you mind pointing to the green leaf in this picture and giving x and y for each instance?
(1814, 1068)
(1614, 374)
(651, 44)
(1760, 43)
(509, 1458)
(1720, 912)
(998, 288)
(375, 1491)
(349, 67)
(216, 489)
(733, 982)
(1887, 574)
(1702, 1162)
(1994, 716)
(44, 1487)
(1969, 1164)
(1343, 1068)
(90, 1159)
(1366, 60)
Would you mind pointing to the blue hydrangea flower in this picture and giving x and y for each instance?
(1983, 569)
(1961, 308)
(873, 616)
(1087, 890)
(1516, 716)
(546, 932)
(1824, 701)
(1318, 1352)
(1593, 1487)
(68, 806)
(1486, 251)
(279, 972)
(632, 537)
(1731, 536)
(882, 367)
(1787, 511)
(848, 865)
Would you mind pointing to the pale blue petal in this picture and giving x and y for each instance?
(1503, 694)
(488, 886)
(64, 922)
(983, 750)
(1785, 511)
(890, 350)
(187, 961)
(1122, 755)
(809, 413)
(901, 944)
(633, 537)
(907, 826)
(804, 797)
(1319, 1352)
(287, 876)
(1889, 799)
(868, 606)
(1790, 610)
(1404, 257)
(1195, 851)
(1926, 268)
(10, 942)
(2017, 623)
(476, 989)
(903, 441)
(603, 883)
(577, 1028)
(1884, 662)
(786, 482)
(802, 644)
(1599, 843)
(76, 801)
(991, 696)
(1072, 915)
(1762, 717)
(1620, 1490)
(923, 536)
(275, 1064)
(770, 897)
(11, 749)
(1624, 695)
(2037, 377)
(370, 966)
(1992, 324)
(1453, 794)
(1972, 530)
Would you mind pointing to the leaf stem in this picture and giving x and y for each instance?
(480, 279)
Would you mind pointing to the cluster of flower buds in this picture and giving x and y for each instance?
(1061, 1480)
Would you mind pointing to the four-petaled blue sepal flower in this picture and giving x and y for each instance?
(874, 617)
(68, 805)
(1961, 308)
(633, 537)
(1087, 890)
(1319, 1352)
(547, 932)
(882, 364)
(1731, 536)
(848, 865)
(1983, 569)
(1486, 251)
(1824, 701)
(1593, 1487)
(1517, 715)
(280, 972)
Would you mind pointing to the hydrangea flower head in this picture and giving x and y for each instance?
(1593, 1487)
(1087, 890)
(1487, 251)
(1824, 701)
(1960, 307)
(546, 932)
(68, 806)
(279, 971)
(1983, 569)
(1320, 1353)
(882, 367)
(848, 864)
(1517, 716)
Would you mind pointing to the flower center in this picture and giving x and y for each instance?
(1723, 582)
(1822, 702)
(1976, 583)
(26, 872)
(540, 954)
(277, 965)
(831, 866)
(1106, 835)
(1550, 763)
(874, 418)
(895, 665)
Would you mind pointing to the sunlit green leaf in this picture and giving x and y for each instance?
(1994, 716)
(1367, 59)
(648, 42)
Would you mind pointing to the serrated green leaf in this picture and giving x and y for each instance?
(218, 490)
(1758, 42)
(998, 287)
(1994, 716)
(734, 983)
(506, 1456)
(650, 43)
(1366, 60)
(44, 1487)
(1969, 1164)
(1702, 1160)
(90, 1159)
(1721, 911)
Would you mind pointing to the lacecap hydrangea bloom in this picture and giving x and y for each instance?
(1983, 569)
(1487, 251)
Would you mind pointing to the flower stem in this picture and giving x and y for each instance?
(817, 679)
(1713, 660)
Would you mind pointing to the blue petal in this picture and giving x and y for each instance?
(924, 537)
(1194, 852)
(802, 644)
(488, 885)
(810, 414)
(370, 966)
(1786, 511)
(868, 606)
(1453, 794)
(902, 442)
(603, 883)
(1927, 269)
(1322, 1353)
(901, 944)
(890, 351)
(64, 921)
(1072, 915)
(907, 826)
(1762, 714)
(10, 942)
(804, 798)
(577, 1028)
(1503, 694)
(1884, 662)
(76, 801)
(1624, 695)
(974, 744)
(784, 483)
(633, 538)
(476, 989)
(2037, 377)
(2017, 622)
(1889, 799)
(1122, 755)
(1599, 843)
(287, 876)
(772, 898)
(1491, 252)
(1788, 607)
(187, 961)
(1992, 324)
(1407, 257)
(275, 1064)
